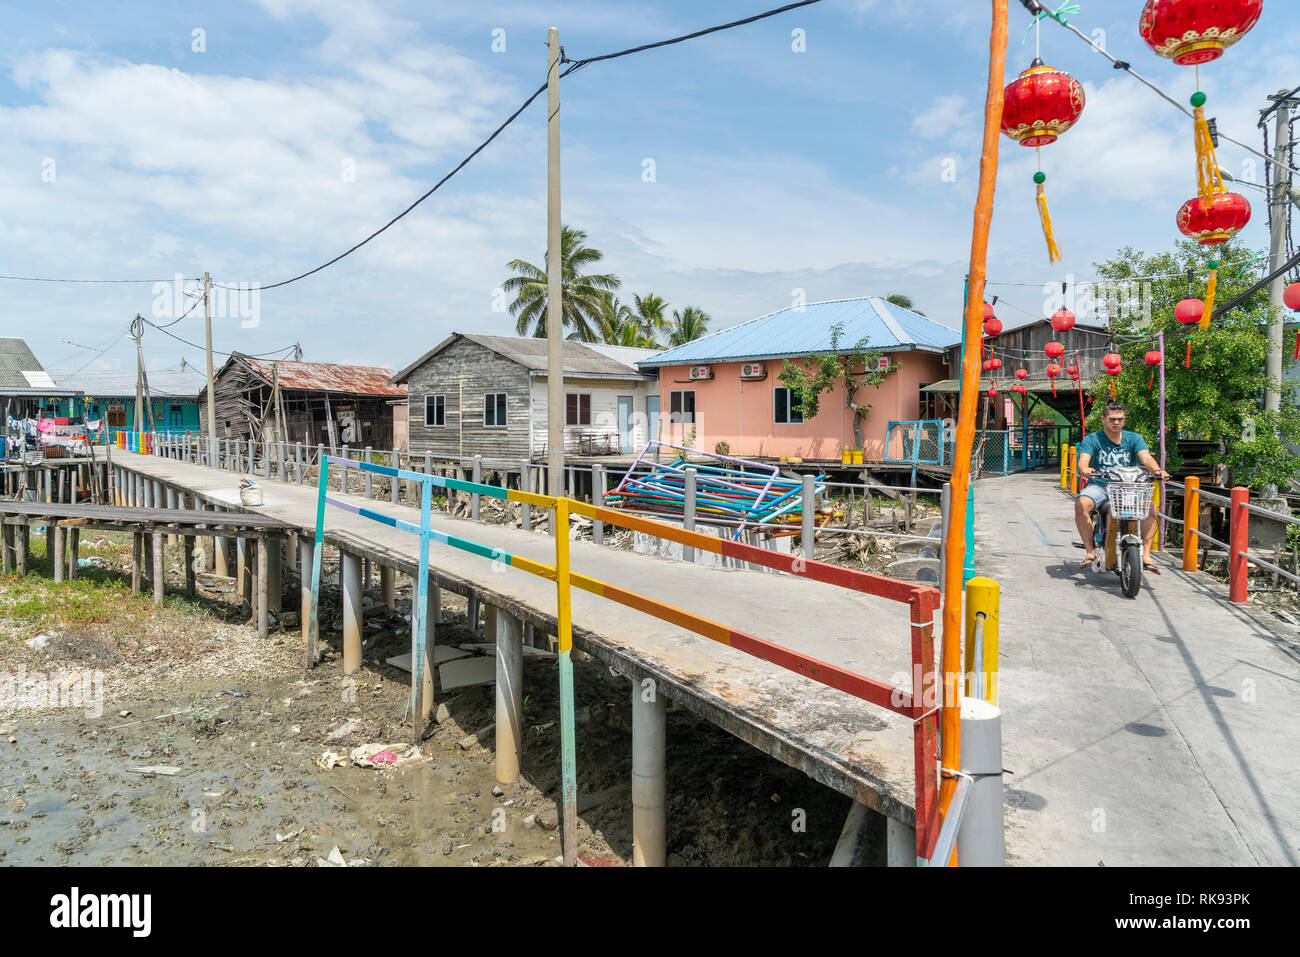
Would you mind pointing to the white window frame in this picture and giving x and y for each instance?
(428, 421)
(502, 406)
(681, 414)
(789, 407)
(581, 396)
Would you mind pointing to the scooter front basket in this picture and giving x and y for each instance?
(1130, 499)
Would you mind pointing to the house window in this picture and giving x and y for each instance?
(786, 409)
(577, 408)
(116, 417)
(681, 407)
(494, 409)
(435, 410)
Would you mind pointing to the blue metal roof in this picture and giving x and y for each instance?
(806, 330)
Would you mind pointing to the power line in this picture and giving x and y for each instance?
(575, 65)
(1101, 282)
(182, 316)
(97, 281)
(275, 353)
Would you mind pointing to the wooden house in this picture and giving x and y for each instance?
(487, 395)
(321, 403)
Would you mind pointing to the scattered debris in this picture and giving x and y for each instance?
(39, 643)
(156, 769)
(331, 759)
(342, 731)
(281, 838)
(385, 755)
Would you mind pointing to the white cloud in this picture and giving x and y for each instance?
(948, 115)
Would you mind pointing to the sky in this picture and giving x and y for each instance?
(826, 153)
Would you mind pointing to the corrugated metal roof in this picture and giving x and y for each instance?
(112, 382)
(15, 359)
(580, 358)
(625, 354)
(1040, 384)
(806, 330)
(328, 377)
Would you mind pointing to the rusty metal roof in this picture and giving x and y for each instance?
(328, 377)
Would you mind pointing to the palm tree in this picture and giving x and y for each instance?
(688, 325)
(616, 325)
(905, 302)
(650, 314)
(581, 293)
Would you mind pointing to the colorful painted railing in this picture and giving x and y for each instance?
(920, 704)
(142, 442)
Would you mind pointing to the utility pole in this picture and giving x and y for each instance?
(137, 329)
(212, 393)
(554, 292)
(1277, 245)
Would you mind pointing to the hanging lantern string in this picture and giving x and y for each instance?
(1037, 7)
(1242, 263)
(1065, 8)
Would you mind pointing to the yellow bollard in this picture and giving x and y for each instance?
(982, 605)
(1191, 523)
(1065, 466)
(1155, 507)
(1074, 470)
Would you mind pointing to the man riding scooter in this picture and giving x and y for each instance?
(1110, 448)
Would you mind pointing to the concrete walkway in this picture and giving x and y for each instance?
(1160, 730)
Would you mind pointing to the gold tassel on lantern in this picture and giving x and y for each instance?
(1209, 295)
(1208, 179)
(1053, 251)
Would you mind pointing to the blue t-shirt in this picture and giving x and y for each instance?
(1107, 454)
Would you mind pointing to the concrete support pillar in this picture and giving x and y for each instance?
(173, 502)
(274, 572)
(388, 585)
(476, 475)
(352, 620)
(432, 613)
(807, 533)
(509, 636)
(159, 577)
(291, 551)
(370, 484)
(397, 485)
(7, 547)
(980, 840)
(187, 542)
(56, 556)
(649, 775)
(900, 844)
(598, 498)
(525, 485)
(24, 546)
(221, 552)
(306, 558)
(137, 561)
(688, 514)
(471, 614)
(74, 550)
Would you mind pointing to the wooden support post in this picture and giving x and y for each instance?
(24, 543)
(297, 458)
(432, 612)
(1191, 523)
(476, 475)
(244, 571)
(187, 542)
(291, 551)
(263, 585)
(56, 557)
(306, 556)
(472, 613)
(74, 550)
(159, 575)
(221, 550)
(388, 585)
(1238, 544)
(7, 547)
(352, 620)
(63, 486)
(173, 502)
(137, 561)
(274, 588)
(508, 634)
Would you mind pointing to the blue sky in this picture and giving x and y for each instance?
(775, 170)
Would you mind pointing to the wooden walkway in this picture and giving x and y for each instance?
(839, 740)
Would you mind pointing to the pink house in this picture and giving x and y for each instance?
(726, 387)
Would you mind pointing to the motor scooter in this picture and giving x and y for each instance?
(1129, 493)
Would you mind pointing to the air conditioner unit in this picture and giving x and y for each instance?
(880, 365)
(701, 372)
(753, 370)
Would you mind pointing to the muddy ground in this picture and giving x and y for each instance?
(207, 747)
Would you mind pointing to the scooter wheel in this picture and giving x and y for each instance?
(1130, 578)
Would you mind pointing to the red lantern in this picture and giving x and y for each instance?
(1154, 357)
(986, 365)
(1053, 370)
(988, 312)
(1191, 32)
(1054, 350)
(995, 363)
(1112, 370)
(1022, 373)
(1112, 359)
(1062, 320)
(993, 393)
(1040, 105)
(1291, 296)
(1072, 371)
(1215, 221)
(1189, 311)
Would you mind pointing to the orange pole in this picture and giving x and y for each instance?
(955, 546)
(1191, 523)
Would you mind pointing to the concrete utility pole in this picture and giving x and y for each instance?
(554, 292)
(207, 326)
(1277, 245)
(137, 328)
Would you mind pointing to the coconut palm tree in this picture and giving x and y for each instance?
(581, 293)
(898, 299)
(650, 312)
(688, 325)
(616, 325)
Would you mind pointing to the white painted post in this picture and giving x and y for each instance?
(806, 525)
(598, 498)
(688, 514)
(369, 480)
(525, 485)
(509, 636)
(476, 476)
(397, 464)
(649, 775)
(352, 621)
(343, 474)
(297, 455)
(979, 841)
